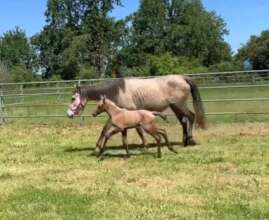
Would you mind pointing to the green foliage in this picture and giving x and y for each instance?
(78, 33)
(4, 73)
(180, 27)
(168, 64)
(17, 56)
(256, 51)
(227, 66)
(15, 49)
(87, 72)
(81, 39)
(20, 73)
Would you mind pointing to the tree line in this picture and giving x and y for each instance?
(81, 39)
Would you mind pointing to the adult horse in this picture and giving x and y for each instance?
(154, 94)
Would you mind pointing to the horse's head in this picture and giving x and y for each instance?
(100, 108)
(78, 102)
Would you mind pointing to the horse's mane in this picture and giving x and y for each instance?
(109, 88)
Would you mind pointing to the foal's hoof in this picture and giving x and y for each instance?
(159, 155)
(127, 156)
(173, 150)
(97, 152)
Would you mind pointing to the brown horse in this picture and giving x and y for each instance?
(123, 119)
(153, 94)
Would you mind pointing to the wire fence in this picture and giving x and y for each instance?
(52, 95)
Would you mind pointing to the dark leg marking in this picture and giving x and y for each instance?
(186, 118)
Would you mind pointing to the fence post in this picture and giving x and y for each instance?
(58, 91)
(21, 93)
(253, 78)
(2, 116)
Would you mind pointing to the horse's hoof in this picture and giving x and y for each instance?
(191, 142)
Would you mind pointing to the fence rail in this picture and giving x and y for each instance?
(13, 95)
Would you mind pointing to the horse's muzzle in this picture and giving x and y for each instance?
(70, 114)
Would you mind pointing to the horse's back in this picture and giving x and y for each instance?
(157, 93)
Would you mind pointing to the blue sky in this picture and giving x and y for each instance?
(243, 17)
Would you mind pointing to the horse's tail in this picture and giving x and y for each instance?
(197, 103)
(164, 117)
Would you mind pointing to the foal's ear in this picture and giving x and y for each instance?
(103, 99)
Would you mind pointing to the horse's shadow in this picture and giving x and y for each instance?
(116, 151)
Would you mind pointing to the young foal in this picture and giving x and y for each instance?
(123, 119)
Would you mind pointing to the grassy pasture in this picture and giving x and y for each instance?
(47, 172)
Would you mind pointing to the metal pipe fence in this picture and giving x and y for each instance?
(13, 95)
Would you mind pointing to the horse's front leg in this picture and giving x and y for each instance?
(102, 135)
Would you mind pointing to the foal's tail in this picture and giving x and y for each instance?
(162, 116)
(197, 103)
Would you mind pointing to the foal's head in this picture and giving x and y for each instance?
(78, 102)
(101, 106)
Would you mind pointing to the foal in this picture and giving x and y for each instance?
(123, 119)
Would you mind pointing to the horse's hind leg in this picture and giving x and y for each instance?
(186, 118)
(163, 133)
(124, 141)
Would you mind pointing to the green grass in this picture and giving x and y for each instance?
(47, 172)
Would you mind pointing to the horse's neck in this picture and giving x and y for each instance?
(91, 93)
(112, 109)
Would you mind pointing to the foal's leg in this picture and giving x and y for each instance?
(141, 135)
(124, 141)
(152, 130)
(186, 118)
(101, 137)
(107, 135)
(163, 133)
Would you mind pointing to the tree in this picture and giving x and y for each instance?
(197, 33)
(256, 51)
(15, 49)
(179, 27)
(78, 33)
(4, 73)
(15, 52)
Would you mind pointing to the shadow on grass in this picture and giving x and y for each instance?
(115, 151)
